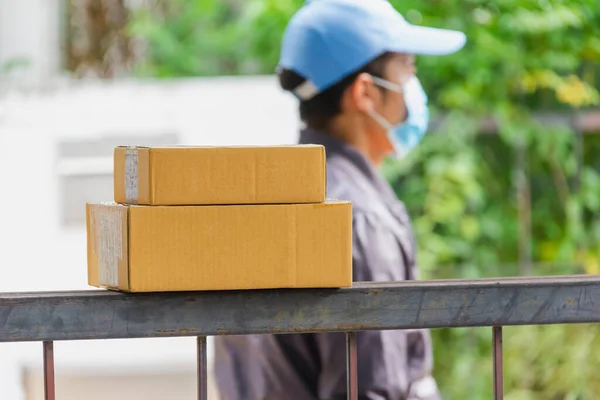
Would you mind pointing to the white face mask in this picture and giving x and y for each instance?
(406, 135)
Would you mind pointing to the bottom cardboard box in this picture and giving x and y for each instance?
(190, 248)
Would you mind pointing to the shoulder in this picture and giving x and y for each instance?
(379, 252)
(368, 208)
(346, 182)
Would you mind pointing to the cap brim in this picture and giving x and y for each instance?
(422, 40)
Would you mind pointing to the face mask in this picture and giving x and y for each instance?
(406, 135)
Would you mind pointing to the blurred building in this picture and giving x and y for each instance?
(56, 141)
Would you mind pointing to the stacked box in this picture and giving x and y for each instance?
(219, 218)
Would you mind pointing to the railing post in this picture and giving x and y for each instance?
(498, 368)
(351, 366)
(48, 353)
(202, 366)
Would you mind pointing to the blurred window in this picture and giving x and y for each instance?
(85, 170)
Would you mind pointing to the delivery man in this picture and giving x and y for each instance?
(351, 65)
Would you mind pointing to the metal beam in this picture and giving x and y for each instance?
(586, 122)
(367, 306)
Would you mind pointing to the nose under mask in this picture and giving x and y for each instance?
(406, 135)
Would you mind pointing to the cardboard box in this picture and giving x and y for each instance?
(219, 175)
(167, 248)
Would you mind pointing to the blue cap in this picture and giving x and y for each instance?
(327, 40)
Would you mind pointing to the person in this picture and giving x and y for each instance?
(351, 64)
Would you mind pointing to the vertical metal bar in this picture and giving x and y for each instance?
(578, 147)
(498, 369)
(351, 367)
(524, 210)
(202, 368)
(523, 197)
(49, 390)
(580, 242)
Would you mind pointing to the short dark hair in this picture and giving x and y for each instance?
(317, 112)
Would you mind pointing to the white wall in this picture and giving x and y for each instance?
(38, 254)
(30, 29)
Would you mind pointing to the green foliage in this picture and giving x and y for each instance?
(479, 203)
(460, 192)
(211, 37)
(540, 362)
(463, 190)
(190, 38)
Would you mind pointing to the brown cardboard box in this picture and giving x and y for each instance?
(219, 175)
(167, 248)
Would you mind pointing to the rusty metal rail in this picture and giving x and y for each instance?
(52, 316)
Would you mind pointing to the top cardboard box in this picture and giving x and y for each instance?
(187, 175)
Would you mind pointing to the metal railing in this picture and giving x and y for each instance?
(56, 316)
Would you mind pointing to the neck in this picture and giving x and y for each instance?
(353, 133)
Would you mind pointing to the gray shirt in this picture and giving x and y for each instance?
(313, 366)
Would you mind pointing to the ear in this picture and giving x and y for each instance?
(362, 93)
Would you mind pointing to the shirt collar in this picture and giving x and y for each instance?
(335, 146)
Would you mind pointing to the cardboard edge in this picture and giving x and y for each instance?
(119, 174)
(346, 205)
(145, 182)
(323, 173)
(92, 258)
(346, 274)
(123, 263)
(133, 280)
(144, 185)
(349, 239)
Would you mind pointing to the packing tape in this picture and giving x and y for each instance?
(108, 235)
(131, 175)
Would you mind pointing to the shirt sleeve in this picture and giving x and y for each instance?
(382, 366)
(377, 254)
